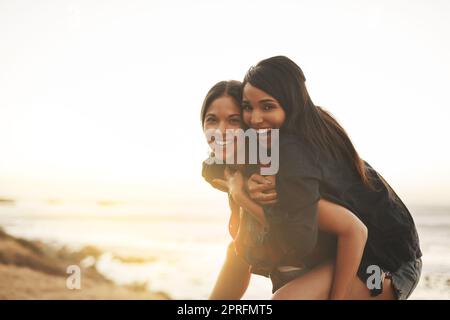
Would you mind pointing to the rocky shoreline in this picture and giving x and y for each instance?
(34, 270)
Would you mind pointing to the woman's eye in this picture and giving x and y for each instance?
(210, 120)
(237, 121)
(246, 108)
(267, 107)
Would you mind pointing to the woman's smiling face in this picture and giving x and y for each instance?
(261, 111)
(223, 114)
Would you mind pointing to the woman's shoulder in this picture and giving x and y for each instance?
(294, 144)
(297, 157)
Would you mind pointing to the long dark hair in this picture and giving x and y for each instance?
(231, 88)
(284, 80)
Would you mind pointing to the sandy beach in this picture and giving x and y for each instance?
(33, 270)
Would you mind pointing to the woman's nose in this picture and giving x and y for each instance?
(223, 128)
(256, 119)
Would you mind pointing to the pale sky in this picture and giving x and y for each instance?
(101, 99)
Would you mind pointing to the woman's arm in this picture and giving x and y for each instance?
(262, 189)
(234, 278)
(294, 220)
(352, 236)
(249, 205)
(235, 185)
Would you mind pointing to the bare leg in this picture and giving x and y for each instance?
(316, 285)
(360, 291)
(233, 279)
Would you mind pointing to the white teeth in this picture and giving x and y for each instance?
(223, 142)
(263, 131)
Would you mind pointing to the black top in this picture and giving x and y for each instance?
(325, 246)
(305, 175)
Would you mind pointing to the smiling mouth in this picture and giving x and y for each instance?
(263, 132)
(221, 142)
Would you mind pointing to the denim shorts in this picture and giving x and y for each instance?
(280, 278)
(405, 279)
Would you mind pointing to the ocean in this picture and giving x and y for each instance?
(181, 255)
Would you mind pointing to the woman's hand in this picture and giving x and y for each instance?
(234, 183)
(262, 189)
(220, 186)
